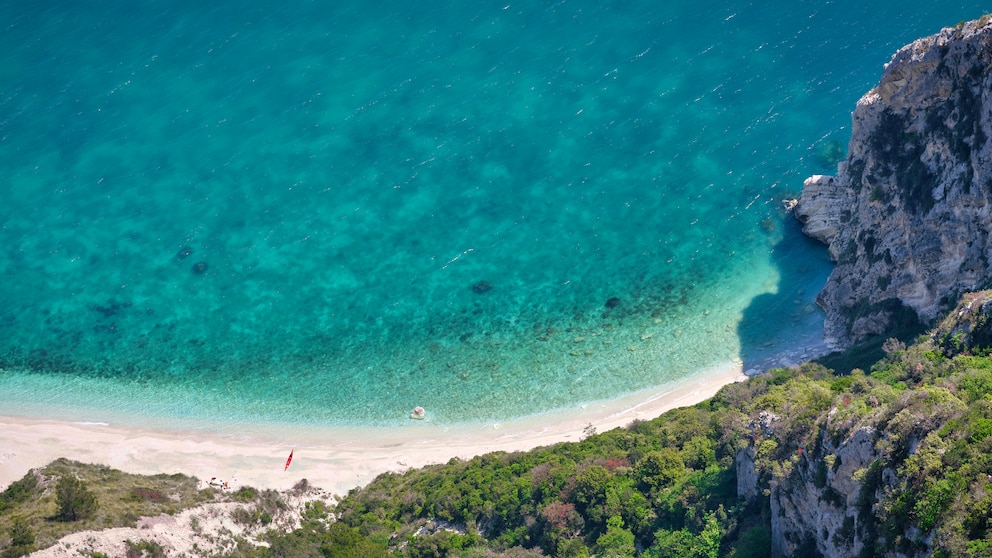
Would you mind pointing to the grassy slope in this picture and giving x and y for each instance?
(122, 498)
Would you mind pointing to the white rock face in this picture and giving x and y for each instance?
(747, 474)
(907, 218)
(819, 210)
(818, 506)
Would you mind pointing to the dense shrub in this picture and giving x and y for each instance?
(74, 499)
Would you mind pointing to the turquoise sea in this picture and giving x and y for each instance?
(327, 213)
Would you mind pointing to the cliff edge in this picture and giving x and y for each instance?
(907, 218)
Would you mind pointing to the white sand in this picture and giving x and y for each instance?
(334, 459)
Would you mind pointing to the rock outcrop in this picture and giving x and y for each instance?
(907, 218)
(817, 507)
(967, 327)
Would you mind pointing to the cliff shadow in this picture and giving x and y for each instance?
(786, 327)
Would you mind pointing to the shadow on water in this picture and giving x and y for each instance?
(786, 327)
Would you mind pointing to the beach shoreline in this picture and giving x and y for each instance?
(335, 459)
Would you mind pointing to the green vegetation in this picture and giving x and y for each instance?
(18, 493)
(668, 487)
(144, 549)
(898, 152)
(21, 538)
(67, 496)
(665, 487)
(74, 500)
(266, 504)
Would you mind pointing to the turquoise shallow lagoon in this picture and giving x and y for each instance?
(327, 214)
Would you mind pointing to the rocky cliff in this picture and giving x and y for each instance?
(907, 218)
(881, 471)
(817, 506)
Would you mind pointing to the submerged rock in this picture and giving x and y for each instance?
(184, 252)
(482, 287)
(829, 153)
(199, 268)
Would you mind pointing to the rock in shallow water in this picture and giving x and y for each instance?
(184, 252)
(482, 287)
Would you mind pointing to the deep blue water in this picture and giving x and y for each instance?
(227, 211)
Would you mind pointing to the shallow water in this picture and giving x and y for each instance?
(329, 215)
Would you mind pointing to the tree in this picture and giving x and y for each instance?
(658, 469)
(616, 542)
(709, 539)
(699, 453)
(561, 522)
(572, 548)
(74, 499)
(315, 539)
(684, 544)
(669, 544)
(590, 486)
(21, 533)
(18, 492)
(21, 539)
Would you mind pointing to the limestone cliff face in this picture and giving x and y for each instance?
(817, 506)
(835, 489)
(908, 216)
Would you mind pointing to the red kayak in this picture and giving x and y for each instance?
(290, 460)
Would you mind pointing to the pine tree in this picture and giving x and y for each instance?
(74, 499)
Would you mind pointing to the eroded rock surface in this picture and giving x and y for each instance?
(907, 218)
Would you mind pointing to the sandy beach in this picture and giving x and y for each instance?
(334, 459)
